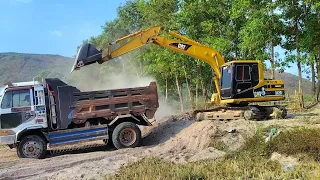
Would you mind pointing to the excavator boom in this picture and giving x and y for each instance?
(89, 54)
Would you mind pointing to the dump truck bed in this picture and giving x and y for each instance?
(109, 104)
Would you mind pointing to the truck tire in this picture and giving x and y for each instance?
(126, 135)
(32, 146)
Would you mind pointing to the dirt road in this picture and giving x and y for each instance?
(69, 166)
(176, 138)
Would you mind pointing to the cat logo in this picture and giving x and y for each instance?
(181, 46)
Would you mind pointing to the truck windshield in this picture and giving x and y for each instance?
(17, 98)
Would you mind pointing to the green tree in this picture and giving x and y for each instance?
(261, 32)
(294, 15)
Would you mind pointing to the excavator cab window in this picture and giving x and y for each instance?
(226, 77)
(243, 73)
(226, 81)
(255, 72)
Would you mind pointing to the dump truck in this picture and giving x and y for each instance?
(36, 116)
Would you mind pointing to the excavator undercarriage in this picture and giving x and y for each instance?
(251, 112)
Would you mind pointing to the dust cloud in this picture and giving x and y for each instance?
(164, 110)
(93, 78)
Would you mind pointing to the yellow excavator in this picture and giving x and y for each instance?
(240, 84)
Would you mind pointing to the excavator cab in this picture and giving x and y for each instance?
(238, 80)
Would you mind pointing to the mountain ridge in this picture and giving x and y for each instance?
(25, 66)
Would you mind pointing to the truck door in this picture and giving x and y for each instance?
(16, 108)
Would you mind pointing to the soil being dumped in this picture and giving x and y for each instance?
(176, 138)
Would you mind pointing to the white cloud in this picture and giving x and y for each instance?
(24, 1)
(56, 33)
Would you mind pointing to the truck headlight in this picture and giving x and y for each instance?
(6, 132)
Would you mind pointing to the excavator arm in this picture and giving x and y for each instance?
(89, 54)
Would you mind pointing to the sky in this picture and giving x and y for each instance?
(55, 26)
(52, 26)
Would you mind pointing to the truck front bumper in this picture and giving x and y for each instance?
(8, 139)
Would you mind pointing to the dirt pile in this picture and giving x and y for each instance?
(181, 138)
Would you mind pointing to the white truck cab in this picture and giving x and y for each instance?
(22, 108)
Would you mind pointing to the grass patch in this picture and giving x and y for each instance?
(243, 166)
(219, 145)
(310, 120)
(251, 162)
(296, 141)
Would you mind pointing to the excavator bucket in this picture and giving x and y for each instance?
(87, 54)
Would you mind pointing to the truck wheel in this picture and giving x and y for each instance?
(32, 146)
(126, 135)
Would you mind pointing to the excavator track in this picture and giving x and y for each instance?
(251, 112)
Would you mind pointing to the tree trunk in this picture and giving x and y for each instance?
(318, 77)
(272, 62)
(139, 72)
(313, 79)
(197, 83)
(189, 89)
(301, 103)
(204, 91)
(166, 98)
(123, 65)
(197, 94)
(179, 93)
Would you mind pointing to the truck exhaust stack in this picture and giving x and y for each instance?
(87, 54)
